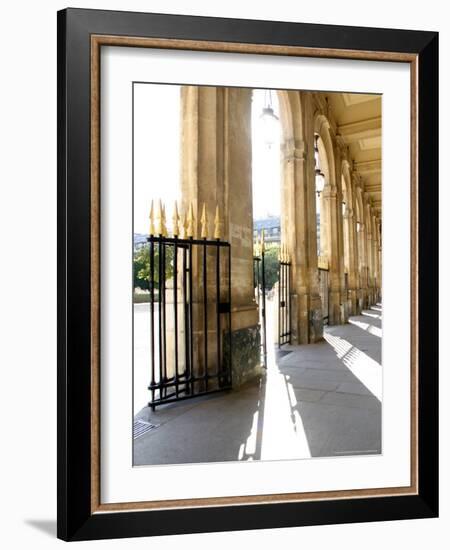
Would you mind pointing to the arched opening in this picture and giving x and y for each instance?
(322, 181)
(347, 215)
(360, 232)
(266, 190)
(267, 204)
(283, 196)
(320, 169)
(345, 205)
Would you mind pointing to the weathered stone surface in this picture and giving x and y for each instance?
(246, 354)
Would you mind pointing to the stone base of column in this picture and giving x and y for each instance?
(336, 308)
(373, 296)
(245, 355)
(353, 302)
(245, 344)
(307, 319)
(363, 300)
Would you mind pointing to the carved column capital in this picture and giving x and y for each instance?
(294, 149)
(348, 213)
(329, 191)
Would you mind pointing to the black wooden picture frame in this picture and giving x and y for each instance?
(77, 518)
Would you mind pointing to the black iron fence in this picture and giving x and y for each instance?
(284, 301)
(259, 283)
(190, 318)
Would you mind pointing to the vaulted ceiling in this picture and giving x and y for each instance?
(358, 122)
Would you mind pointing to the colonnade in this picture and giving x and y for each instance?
(217, 168)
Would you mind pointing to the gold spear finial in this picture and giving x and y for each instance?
(182, 225)
(152, 220)
(175, 221)
(161, 228)
(218, 224)
(257, 245)
(164, 226)
(190, 222)
(159, 219)
(204, 223)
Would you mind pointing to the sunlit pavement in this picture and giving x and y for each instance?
(319, 400)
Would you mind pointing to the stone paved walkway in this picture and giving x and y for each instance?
(319, 400)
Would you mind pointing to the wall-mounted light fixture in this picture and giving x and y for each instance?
(320, 178)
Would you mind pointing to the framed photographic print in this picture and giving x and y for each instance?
(247, 251)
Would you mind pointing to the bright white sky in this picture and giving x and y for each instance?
(157, 154)
(266, 161)
(156, 150)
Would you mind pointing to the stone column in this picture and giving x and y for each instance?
(330, 210)
(202, 158)
(351, 236)
(362, 265)
(375, 246)
(239, 230)
(369, 267)
(356, 243)
(216, 169)
(298, 225)
(370, 257)
(378, 252)
(343, 307)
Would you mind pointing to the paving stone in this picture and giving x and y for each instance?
(353, 387)
(338, 415)
(313, 383)
(311, 396)
(351, 400)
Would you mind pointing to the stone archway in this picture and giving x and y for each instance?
(216, 168)
(330, 233)
(298, 221)
(350, 239)
(362, 246)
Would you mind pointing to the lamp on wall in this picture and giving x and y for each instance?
(320, 178)
(270, 121)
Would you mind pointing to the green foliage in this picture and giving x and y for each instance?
(271, 266)
(141, 266)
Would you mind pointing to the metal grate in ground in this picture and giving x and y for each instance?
(141, 427)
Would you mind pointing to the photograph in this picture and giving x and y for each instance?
(223, 280)
(246, 305)
(257, 274)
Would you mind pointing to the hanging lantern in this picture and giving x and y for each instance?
(270, 121)
(320, 178)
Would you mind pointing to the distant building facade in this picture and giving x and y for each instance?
(139, 240)
(272, 229)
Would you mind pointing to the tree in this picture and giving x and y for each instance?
(271, 266)
(141, 266)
